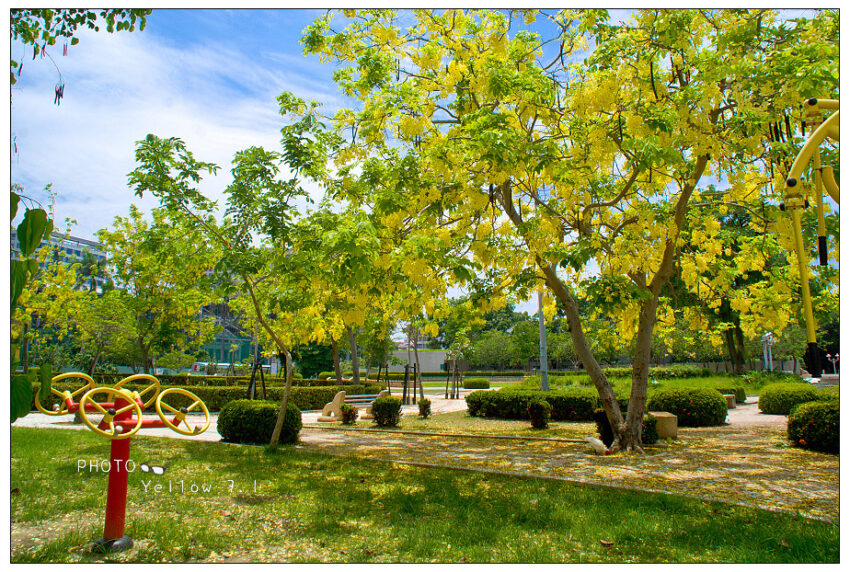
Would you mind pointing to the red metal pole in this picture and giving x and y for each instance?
(116, 493)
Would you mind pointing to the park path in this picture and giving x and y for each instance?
(748, 461)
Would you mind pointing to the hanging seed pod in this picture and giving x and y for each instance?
(779, 132)
(788, 128)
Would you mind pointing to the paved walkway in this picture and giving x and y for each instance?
(747, 461)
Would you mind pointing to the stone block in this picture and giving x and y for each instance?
(730, 400)
(666, 424)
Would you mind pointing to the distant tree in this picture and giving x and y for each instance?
(162, 267)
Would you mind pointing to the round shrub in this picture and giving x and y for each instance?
(694, 407)
(424, 407)
(476, 383)
(780, 398)
(538, 411)
(387, 411)
(815, 426)
(253, 421)
(349, 413)
(474, 401)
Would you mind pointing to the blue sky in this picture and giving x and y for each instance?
(209, 77)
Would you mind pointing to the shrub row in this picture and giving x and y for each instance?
(253, 421)
(216, 398)
(694, 407)
(572, 404)
(183, 379)
(815, 425)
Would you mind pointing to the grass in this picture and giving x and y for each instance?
(310, 507)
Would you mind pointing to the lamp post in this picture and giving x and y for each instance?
(544, 358)
(767, 341)
(833, 359)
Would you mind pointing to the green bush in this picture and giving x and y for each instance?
(737, 390)
(780, 398)
(387, 411)
(570, 404)
(815, 425)
(349, 413)
(539, 411)
(476, 383)
(424, 407)
(649, 431)
(694, 407)
(253, 421)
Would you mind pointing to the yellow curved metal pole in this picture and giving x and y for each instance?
(795, 201)
(828, 178)
(805, 154)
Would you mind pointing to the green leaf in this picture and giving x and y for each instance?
(32, 266)
(18, 277)
(13, 363)
(75, 41)
(16, 198)
(31, 230)
(45, 375)
(20, 396)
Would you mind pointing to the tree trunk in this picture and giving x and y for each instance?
(145, 359)
(629, 438)
(418, 378)
(96, 358)
(355, 359)
(739, 346)
(278, 426)
(583, 351)
(335, 356)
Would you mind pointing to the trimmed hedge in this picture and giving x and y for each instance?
(253, 421)
(215, 398)
(738, 390)
(571, 404)
(476, 383)
(387, 411)
(539, 411)
(694, 407)
(183, 379)
(815, 425)
(780, 398)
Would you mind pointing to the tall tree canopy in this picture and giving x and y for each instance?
(565, 148)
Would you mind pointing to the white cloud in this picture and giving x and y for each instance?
(120, 87)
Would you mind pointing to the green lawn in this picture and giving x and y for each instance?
(309, 507)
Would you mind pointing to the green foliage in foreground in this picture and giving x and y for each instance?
(253, 421)
(815, 425)
(310, 507)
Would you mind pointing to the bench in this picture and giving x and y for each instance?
(332, 412)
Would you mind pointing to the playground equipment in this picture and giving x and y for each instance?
(116, 413)
(796, 199)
